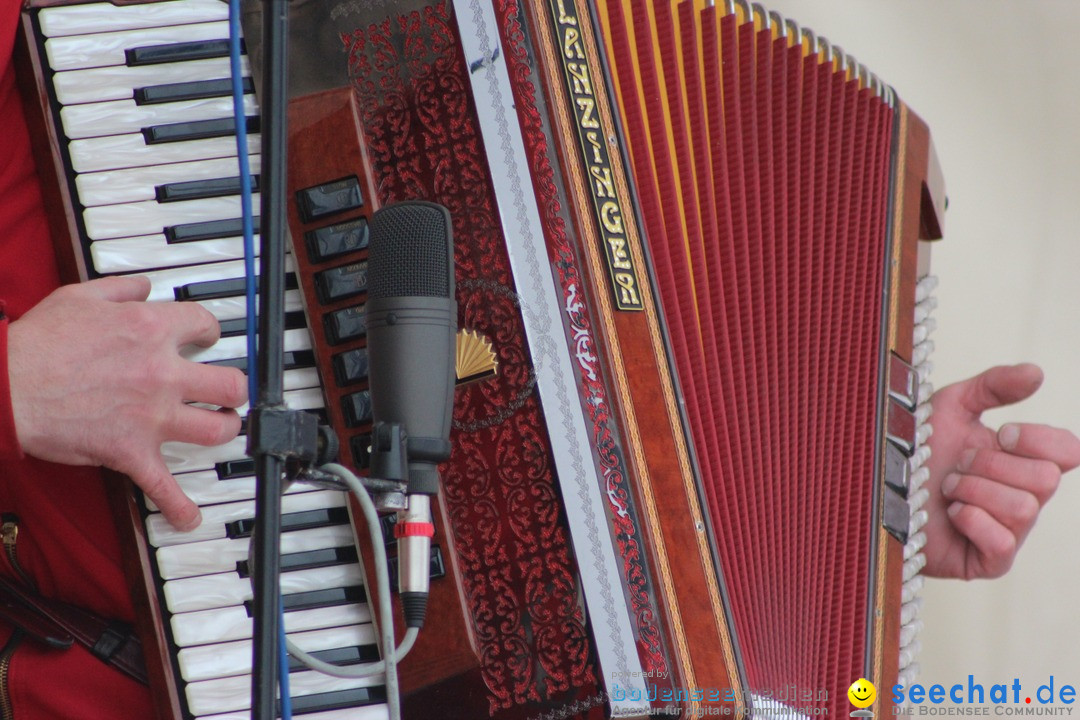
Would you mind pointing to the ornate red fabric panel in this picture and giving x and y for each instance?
(519, 575)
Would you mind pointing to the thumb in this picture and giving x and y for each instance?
(119, 288)
(1001, 385)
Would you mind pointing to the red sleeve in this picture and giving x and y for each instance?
(27, 263)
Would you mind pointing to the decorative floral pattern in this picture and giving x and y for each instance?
(518, 572)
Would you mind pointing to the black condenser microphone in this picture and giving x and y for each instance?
(411, 330)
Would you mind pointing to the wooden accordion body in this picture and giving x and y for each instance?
(690, 241)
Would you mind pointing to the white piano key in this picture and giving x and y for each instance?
(118, 82)
(222, 554)
(236, 347)
(207, 662)
(231, 308)
(205, 488)
(368, 712)
(99, 17)
(185, 457)
(301, 379)
(106, 222)
(226, 624)
(207, 592)
(134, 184)
(117, 117)
(154, 252)
(104, 48)
(234, 693)
(130, 150)
(160, 533)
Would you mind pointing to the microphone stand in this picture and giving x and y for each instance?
(265, 436)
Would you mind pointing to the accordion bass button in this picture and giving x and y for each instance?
(900, 429)
(903, 382)
(897, 470)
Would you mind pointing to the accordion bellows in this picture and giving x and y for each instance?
(763, 176)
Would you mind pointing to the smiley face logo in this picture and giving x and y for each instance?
(862, 693)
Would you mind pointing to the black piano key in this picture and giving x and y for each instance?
(293, 359)
(340, 656)
(341, 282)
(292, 521)
(194, 90)
(315, 599)
(308, 560)
(235, 468)
(324, 702)
(200, 189)
(228, 287)
(177, 52)
(334, 240)
(350, 367)
(361, 451)
(208, 230)
(346, 324)
(357, 408)
(320, 201)
(196, 130)
(319, 558)
(238, 326)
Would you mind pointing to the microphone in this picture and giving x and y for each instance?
(411, 330)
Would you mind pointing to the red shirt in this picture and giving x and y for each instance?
(66, 542)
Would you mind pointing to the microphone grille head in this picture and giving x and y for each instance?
(411, 251)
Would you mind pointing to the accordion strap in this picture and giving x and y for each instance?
(57, 624)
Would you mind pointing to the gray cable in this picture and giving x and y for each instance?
(391, 655)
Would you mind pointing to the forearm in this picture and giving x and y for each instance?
(9, 441)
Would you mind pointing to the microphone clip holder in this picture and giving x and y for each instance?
(293, 436)
(389, 475)
(289, 438)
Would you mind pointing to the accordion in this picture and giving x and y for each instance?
(694, 297)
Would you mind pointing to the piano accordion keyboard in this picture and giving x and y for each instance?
(142, 98)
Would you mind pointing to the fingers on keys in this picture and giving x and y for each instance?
(220, 386)
(148, 471)
(192, 324)
(120, 288)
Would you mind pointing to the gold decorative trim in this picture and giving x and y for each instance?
(895, 269)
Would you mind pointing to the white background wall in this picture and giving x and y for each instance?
(997, 83)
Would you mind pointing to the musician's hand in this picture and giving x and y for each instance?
(987, 487)
(97, 379)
